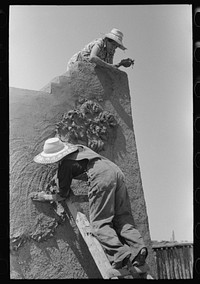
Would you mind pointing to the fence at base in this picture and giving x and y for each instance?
(174, 261)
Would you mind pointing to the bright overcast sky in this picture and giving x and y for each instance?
(159, 37)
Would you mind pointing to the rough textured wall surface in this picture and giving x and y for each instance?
(43, 246)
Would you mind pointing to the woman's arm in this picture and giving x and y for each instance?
(95, 59)
(64, 177)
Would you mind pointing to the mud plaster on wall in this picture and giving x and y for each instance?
(33, 119)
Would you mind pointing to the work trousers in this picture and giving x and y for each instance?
(110, 212)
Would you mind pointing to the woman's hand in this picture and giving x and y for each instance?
(126, 62)
(117, 65)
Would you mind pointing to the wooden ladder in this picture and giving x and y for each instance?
(93, 244)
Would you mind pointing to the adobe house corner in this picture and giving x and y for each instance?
(42, 246)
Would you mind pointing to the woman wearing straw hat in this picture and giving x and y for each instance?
(101, 51)
(109, 205)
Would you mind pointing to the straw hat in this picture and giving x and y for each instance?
(54, 150)
(117, 36)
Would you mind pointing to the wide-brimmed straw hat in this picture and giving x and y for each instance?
(117, 36)
(54, 150)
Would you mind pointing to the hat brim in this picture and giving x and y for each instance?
(44, 158)
(111, 36)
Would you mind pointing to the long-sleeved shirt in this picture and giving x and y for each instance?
(73, 166)
(67, 170)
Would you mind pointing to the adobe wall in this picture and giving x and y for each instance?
(42, 246)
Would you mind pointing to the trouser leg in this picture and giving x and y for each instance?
(123, 220)
(102, 210)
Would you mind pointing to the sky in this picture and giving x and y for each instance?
(159, 38)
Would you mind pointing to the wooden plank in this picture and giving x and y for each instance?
(166, 261)
(162, 276)
(176, 272)
(182, 263)
(165, 264)
(186, 260)
(95, 247)
(170, 251)
(93, 244)
(158, 262)
(176, 255)
(191, 261)
(170, 244)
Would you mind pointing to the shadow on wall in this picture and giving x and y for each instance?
(111, 82)
(69, 234)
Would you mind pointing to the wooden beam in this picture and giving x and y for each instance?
(93, 244)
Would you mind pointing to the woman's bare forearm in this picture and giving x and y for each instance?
(98, 61)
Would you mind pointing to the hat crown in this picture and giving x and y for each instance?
(117, 36)
(117, 33)
(54, 150)
(53, 145)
